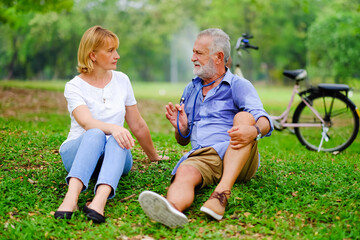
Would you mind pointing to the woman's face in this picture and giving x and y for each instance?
(106, 57)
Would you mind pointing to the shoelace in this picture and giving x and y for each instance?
(222, 197)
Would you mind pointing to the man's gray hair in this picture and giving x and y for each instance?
(221, 41)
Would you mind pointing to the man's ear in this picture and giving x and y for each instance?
(219, 57)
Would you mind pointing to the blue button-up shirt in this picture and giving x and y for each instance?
(214, 115)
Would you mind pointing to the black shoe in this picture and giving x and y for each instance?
(63, 215)
(93, 215)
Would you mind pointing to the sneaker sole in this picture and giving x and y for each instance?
(159, 209)
(210, 212)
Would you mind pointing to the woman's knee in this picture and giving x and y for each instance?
(244, 118)
(95, 133)
(112, 141)
(93, 140)
(114, 153)
(113, 146)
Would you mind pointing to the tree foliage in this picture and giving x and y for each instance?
(334, 44)
(12, 9)
(39, 38)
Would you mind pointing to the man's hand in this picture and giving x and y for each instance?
(241, 135)
(171, 115)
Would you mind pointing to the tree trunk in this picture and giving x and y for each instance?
(10, 67)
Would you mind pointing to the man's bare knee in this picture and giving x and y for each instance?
(188, 174)
(244, 118)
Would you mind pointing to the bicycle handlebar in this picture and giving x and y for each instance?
(247, 35)
(243, 42)
(251, 46)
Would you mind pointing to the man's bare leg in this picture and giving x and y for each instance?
(235, 159)
(179, 197)
(233, 163)
(181, 192)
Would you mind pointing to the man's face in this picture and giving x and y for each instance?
(203, 62)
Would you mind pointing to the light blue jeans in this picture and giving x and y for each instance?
(92, 151)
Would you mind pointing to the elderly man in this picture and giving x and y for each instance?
(223, 123)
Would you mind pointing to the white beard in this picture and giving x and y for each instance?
(207, 71)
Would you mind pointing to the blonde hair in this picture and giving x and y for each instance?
(93, 39)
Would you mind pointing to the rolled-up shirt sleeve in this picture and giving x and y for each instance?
(248, 100)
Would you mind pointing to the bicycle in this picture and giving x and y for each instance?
(243, 44)
(325, 119)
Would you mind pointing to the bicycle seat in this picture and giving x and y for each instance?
(299, 74)
(333, 87)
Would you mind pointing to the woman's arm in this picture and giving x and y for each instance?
(141, 131)
(83, 116)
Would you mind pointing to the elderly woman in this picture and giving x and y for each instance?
(99, 100)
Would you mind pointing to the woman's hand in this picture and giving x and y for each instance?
(160, 158)
(123, 137)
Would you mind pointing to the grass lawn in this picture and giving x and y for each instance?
(296, 194)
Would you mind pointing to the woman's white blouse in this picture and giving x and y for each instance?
(105, 104)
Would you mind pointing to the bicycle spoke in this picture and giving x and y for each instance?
(340, 121)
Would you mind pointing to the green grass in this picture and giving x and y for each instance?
(55, 85)
(296, 194)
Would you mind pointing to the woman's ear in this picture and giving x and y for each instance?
(92, 56)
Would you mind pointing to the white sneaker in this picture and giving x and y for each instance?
(210, 212)
(159, 209)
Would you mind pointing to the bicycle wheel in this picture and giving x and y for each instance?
(341, 121)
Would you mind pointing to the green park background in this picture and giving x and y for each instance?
(296, 193)
(39, 38)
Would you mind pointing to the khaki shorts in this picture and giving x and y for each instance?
(210, 165)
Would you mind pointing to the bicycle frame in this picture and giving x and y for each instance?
(283, 117)
(323, 127)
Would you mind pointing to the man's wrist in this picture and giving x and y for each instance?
(259, 135)
(183, 132)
